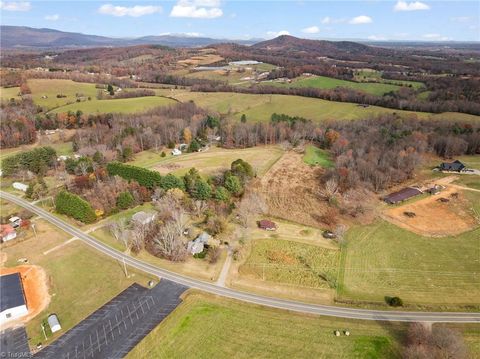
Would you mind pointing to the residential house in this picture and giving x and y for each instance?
(143, 217)
(20, 186)
(455, 166)
(15, 221)
(7, 232)
(198, 244)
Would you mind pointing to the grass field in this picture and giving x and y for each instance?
(205, 326)
(78, 276)
(127, 105)
(323, 82)
(365, 75)
(51, 88)
(9, 92)
(214, 160)
(384, 260)
(317, 157)
(261, 107)
(288, 262)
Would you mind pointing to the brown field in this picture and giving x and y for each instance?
(434, 218)
(288, 190)
(35, 287)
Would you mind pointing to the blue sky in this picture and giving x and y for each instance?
(368, 19)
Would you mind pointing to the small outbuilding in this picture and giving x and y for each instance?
(267, 225)
(15, 221)
(20, 186)
(54, 323)
(176, 152)
(455, 166)
(402, 195)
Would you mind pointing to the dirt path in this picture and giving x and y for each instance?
(225, 269)
(35, 286)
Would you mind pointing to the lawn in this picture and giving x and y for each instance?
(323, 82)
(292, 263)
(80, 279)
(367, 75)
(218, 159)
(6, 93)
(51, 88)
(317, 157)
(127, 105)
(384, 260)
(205, 326)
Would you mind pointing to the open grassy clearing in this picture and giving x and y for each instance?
(293, 263)
(384, 260)
(317, 157)
(218, 159)
(80, 279)
(261, 107)
(220, 328)
(323, 82)
(51, 88)
(124, 105)
(6, 93)
(365, 75)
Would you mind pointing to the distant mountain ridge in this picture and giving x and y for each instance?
(28, 37)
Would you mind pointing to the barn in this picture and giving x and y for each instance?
(402, 195)
(13, 304)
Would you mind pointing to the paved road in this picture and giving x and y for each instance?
(334, 311)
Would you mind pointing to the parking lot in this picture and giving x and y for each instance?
(14, 344)
(114, 329)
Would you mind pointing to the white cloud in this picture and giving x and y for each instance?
(197, 9)
(329, 20)
(54, 17)
(15, 5)
(359, 20)
(134, 11)
(410, 6)
(461, 19)
(311, 30)
(436, 37)
(377, 38)
(326, 20)
(272, 34)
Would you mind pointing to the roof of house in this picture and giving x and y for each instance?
(6, 229)
(195, 247)
(11, 291)
(402, 195)
(452, 166)
(15, 219)
(143, 216)
(265, 223)
(203, 237)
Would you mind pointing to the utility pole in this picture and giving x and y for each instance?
(43, 330)
(125, 268)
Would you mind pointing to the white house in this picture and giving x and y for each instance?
(7, 232)
(176, 152)
(198, 244)
(20, 186)
(15, 221)
(144, 217)
(13, 304)
(54, 323)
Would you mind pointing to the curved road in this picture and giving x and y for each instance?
(341, 312)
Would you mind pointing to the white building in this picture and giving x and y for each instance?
(143, 217)
(20, 186)
(176, 152)
(15, 221)
(7, 232)
(54, 323)
(13, 304)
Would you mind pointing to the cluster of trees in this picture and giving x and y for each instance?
(18, 123)
(74, 206)
(143, 176)
(37, 161)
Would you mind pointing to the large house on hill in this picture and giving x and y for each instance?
(455, 166)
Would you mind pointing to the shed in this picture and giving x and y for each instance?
(12, 298)
(402, 195)
(20, 186)
(15, 221)
(176, 152)
(267, 225)
(54, 323)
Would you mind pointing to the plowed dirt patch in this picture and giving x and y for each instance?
(435, 218)
(34, 280)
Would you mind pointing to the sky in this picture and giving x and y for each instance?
(362, 19)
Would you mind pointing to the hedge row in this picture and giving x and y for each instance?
(74, 206)
(144, 177)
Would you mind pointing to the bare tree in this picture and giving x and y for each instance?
(168, 244)
(330, 191)
(251, 205)
(119, 230)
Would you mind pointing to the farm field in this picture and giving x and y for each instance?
(293, 263)
(217, 159)
(51, 88)
(382, 259)
(208, 323)
(126, 105)
(374, 75)
(323, 82)
(258, 107)
(315, 156)
(77, 276)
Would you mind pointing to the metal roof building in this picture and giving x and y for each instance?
(12, 298)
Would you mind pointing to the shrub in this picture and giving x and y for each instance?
(233, 185)
(171, 181)
(144, 177)
(163, 154)
(203, 191)
(74, 206)
(394, 301)
(194, 146)
(125, 200)
(222, 194)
